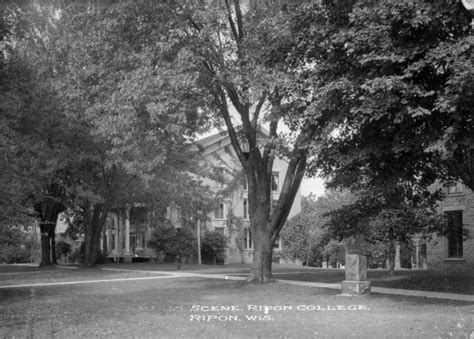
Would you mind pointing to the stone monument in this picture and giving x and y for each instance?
(355, 282)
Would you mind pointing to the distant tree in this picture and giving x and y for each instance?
(304, 237)
(334, 253)
(295, 241)
(63, 249)
(385, 217)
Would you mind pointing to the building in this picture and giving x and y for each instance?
(456, 249)
(129, 228)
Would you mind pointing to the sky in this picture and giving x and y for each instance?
(312, 185)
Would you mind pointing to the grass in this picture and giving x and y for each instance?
(454, 282)
(425, 280)
(178, 307)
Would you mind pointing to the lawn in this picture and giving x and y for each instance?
(33, 275)
(455, 282)
(425, 280)
(182, 307)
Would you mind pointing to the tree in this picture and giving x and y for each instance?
(228, 52)
(305, 236)
(385, 216)
(33, 132)
(395, 94)
(121, 143)
(63, 249)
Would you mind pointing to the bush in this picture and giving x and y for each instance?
(213, 247)
(170, 242)
(335, 253)
(63, 249)
(12, 254)
(316, 256)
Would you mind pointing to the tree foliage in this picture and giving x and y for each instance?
(106, 131)
(305, 236)
(393, 84)
(385, 217)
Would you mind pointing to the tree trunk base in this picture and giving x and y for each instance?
(46, 265)
(260, 281)
(260, 277)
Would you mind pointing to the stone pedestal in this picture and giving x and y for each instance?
(355, 287)
(356, 275)
(356, 267)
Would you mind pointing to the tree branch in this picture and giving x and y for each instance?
(231, 22)
(238, 14)
(258, 108)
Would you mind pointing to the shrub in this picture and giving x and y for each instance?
(63, 248)
(213, 247)
(11, 254)
(179, 244)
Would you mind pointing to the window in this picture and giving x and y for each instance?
(454, 188)
(219, 211)
(275, 182)
(246, 209)
(220, 178)
(455, 234)
(179, 216)
(138, 215)
(248, 243)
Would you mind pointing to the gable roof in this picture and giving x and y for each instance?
(220, 140)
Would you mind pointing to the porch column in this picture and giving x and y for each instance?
(116, 237)
(108, 233)
(417, 254)
(127, 230)
(120, 234)
(397, 258)
(127, 256)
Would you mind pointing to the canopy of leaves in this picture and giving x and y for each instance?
(384, 215)
(84, 105)
(392, 90)
(305, 234)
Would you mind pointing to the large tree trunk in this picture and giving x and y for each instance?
(45, 244)
(52, 238)
(262, 255)
(94, 220)
(104, 241)
(48, 209)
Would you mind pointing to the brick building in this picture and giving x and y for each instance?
(456, 249)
